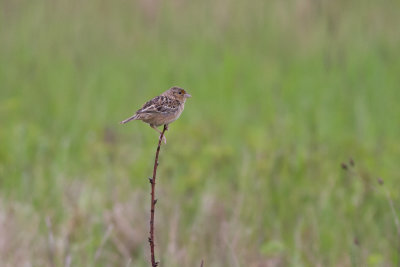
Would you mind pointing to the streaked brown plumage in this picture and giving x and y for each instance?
(162, 109)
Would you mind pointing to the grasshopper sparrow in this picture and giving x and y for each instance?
(162, 109)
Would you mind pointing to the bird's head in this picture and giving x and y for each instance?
(177, 93)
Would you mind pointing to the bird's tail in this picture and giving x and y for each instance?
(134, 117)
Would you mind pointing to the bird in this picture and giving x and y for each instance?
(162, 110)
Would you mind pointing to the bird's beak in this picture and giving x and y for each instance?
(187, 95)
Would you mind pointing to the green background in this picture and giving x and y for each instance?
(284, 92)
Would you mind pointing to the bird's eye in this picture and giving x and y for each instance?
(180, 93)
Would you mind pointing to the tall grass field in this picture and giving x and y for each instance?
(288, 153)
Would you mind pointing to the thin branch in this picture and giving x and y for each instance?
(153, 200)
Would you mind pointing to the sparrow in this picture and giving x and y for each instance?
(162, 109)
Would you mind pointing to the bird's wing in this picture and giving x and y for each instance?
(160, 104)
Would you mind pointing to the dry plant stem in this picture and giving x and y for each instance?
(153, 200)
(395, 218)
(51, 242)
(103, 242)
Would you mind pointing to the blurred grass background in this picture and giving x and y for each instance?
(283, 93)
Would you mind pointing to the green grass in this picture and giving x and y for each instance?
(283, 93)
